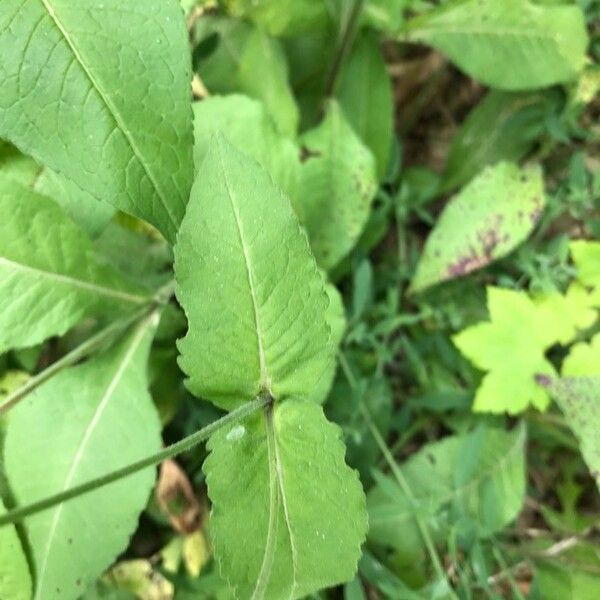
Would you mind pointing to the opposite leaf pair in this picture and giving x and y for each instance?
(258, 314)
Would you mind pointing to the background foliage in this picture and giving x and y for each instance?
(440, 160)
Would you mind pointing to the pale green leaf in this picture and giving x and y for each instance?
(579, 400)
(282, 17)
(480, 476)
(247, 60)
(89, 213)
(15, 580)
(109, 111)
(511, 45)
(85, 422)
(384, 15)
(511, 347)
(502, 126)
(564, 315)
(485, 221)
(247, 125)
(263, 73)
(288, 515)
(255, 301)
(586, 256)
(50, 276)
(337, 186)
(365, 95)
(583, 359)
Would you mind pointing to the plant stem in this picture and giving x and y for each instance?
(343, 48)
(86, 348)
(399, 476)
(186, 443)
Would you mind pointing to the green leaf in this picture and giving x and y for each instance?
(503, 126)
(89, 213)
(110, 112)
(365, 94)
(247, 60)
(83, 423)
(50, 276)
(479, 476)
(511, 348)
(554, 581)
(248, 126)
(511, 45)
(583, 359)
(15, 580)
(586, 256)
(282, 17)
(579, 400)
(337, 186)
(485, 221)
(288, 515)
(255, 301)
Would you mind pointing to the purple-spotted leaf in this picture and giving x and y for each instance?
(485, 221)
(579, 399)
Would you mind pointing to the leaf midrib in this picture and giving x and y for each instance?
(277, 499)
(114, 382)
(112, 110)
(73, 282)
(265, 381)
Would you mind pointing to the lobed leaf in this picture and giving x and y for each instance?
(511, 45)
(85, 422)
(511, 348)
(110, 112)
(337, 186)
(255, 301)
(282, 474)
(50, 275)
(483, 222)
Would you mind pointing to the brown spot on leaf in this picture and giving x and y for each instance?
(306, 153)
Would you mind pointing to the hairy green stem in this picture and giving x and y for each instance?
(399, 476)
(18, 514)
(110, 332)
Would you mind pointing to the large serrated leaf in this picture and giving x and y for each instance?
(15, 580)
(337, 186)
(111, 111)
(365, 94)
(50, 275)
(255, 301)
(485, 221)
(480, 475)
(511, 45)
(579, 399)
(84, 423)
(288, 515)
